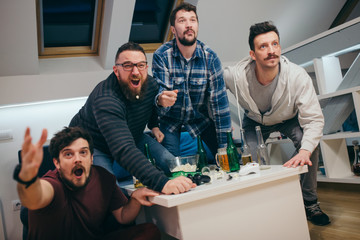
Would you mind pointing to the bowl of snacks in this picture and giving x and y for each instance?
(183, 165)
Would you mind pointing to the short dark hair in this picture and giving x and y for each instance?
(129, 46)
(66, 137)
(260, 28)
(183, 6)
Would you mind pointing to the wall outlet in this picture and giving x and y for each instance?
(16, 205)
(6, 134)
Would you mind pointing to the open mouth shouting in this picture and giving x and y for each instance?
(78, 171)
(135, 82)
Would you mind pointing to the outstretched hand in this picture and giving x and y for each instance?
(31, 155)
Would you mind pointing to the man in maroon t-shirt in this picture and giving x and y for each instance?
(73, 201)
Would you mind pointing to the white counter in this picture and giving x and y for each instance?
(267, 205)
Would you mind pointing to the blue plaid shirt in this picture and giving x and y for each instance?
(202, 94)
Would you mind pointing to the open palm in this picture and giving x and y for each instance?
(31, 155)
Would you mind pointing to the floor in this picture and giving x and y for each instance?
(342, 203)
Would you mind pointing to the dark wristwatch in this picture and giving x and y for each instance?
(16, 177)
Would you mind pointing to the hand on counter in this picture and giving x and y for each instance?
(178, 185)
(142, 194)
(302, 158)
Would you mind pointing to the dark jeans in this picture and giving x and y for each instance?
(292, 130)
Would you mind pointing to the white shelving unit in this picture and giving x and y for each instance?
(339, 96)
(335, 157)
(334, 146)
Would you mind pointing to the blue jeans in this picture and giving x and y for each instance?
(156, 149)
(290, 128)
(172, 140)
(188, 146)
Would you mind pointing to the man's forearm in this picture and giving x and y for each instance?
(130, 211)
(37, 195)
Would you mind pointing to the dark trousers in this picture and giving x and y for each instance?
(291, 129)
(145, 231)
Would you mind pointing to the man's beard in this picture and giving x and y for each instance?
(71, 185)
(186, 42)
(132, 95)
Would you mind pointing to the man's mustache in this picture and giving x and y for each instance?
(271, 56)
(189, 31)
(78, 166)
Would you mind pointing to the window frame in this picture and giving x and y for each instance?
(76, 51)
(152, 47)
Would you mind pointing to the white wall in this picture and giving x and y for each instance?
(18, 38)
(23, 78)
(224, 25)
(53, 116)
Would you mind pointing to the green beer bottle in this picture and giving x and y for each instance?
(202, 161)
(232, 153)
(148, 155)
(137, 183)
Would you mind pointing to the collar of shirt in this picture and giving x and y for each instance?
(198, 50)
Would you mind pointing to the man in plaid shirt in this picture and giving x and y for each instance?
(192, 94)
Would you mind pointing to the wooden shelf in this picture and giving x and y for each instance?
(339, 93)
(341, 135)
(352, 179)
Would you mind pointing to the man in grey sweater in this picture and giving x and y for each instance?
(278, 95)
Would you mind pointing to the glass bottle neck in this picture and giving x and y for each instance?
(229, 139)
(243, 139)
(148, 154)
(356, 153)
(199, 142)
(259, 136)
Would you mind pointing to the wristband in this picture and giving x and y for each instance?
(16, 177)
